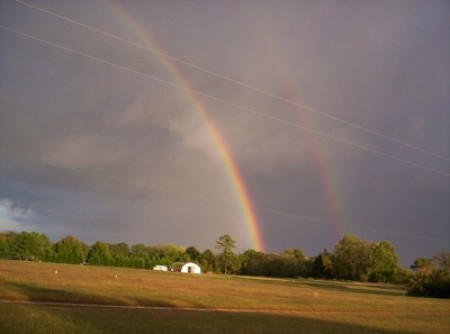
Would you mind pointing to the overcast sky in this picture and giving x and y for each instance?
(93, 146)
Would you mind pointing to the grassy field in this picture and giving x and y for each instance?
(88, 299)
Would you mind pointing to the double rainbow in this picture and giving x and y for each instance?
(230, 165)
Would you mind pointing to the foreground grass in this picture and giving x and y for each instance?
(44, 319)
(222, 304)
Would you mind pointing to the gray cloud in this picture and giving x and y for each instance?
(104, 153)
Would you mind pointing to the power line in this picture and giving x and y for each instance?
(328, 222)
(231, 104)
(237, 82)
(105, 176)
(158, 188)
(208, 200)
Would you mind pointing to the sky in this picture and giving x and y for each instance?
(281, 123)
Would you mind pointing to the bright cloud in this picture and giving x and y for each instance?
(13, 217)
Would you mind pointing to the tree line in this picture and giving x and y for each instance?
(351, 259)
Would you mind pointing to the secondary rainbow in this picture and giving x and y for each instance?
(198, 105)
(320, 156)
(324, 168)
(328, 181)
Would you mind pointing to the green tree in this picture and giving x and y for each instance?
(157, 255)
(139, 250)
(120, 254)
(436, 284)
(423, 267)
(99, 254)
(70, 250)
(166, 255)
(193, 253)
(230, 264)
(383, 262)
(295, 253)
(403, 276)
(139, 256)
(208, 261)
(351, 258)
(273, 265)
(294, 263)
(4, 244)
(251, 262)
(442, 261)
(174, 253)
(30, 246)
(322, 266)
(226, 245)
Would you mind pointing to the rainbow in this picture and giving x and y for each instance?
(320, 156)
(322, 162)
(230, 165)
(328, 181)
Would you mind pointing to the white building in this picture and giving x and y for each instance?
(191, 268)
(160, 267)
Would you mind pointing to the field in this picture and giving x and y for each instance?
(59, 298)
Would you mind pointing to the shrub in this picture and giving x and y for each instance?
(433, 288)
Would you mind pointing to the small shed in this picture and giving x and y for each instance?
(191, 268)
(160, 267)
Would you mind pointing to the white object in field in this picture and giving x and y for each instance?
(191, 268)
(160, 267)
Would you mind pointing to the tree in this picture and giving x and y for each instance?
(226, 245)
(173, 253)
(4, 244)
(208, 261)
(351, 257)
(193, 253)
(436, 284)
(120, 254)
(166, 255)
(295, 253)
(70, 250)
(251, 262)
(229, 263)
(294, 263)
(99, 254)
(139, 256)
(383, 262)
(322, 266)
(442, 261)
(30, 246)
(139, 250)
(403, 276)
(272, 265)
(423, 266)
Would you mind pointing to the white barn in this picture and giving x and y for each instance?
(191, 268)
(160, 267)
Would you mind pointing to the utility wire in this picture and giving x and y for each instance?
(240, 83)
(105, 176)
(231, 104)
(323, 221)
(167, 190)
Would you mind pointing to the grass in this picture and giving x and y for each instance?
(217, 304)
